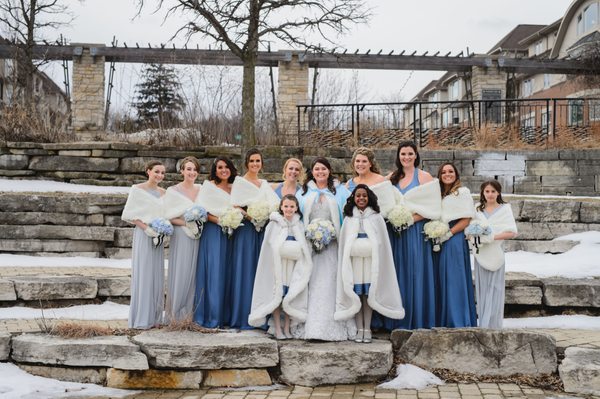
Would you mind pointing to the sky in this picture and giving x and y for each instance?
(426, 25)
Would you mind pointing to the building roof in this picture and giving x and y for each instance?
(424, 90)
(512, 41)
(542, 32)
(593, 37)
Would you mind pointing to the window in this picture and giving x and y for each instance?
(527, 88)
(546, 81)
(546, 120)
(538, 47)
(594, 110)
(454, 90)
(588, 19)
(492, 110)
(434, 97)
(528, 126)
(575, 112)
(446, 118)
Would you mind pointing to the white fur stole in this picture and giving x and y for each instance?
(141, 205)
(213, 199)
(457, 205)
(244, 193)
(176, 203)
(386, 196)
(491, 256)
(425, 200)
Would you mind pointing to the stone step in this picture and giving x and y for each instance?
(580, 371)
(540, 247)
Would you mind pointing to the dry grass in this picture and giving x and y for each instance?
(70, 329)
(189, 325)
(22, 123)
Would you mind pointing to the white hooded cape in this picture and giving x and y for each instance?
(457, 205)
(425, 200)
(176, 203)
(335, 203)
(384, 293)
(213, 199)
(268, 285)
(386, 196)
(491, 256)
(244, 193)
(141, 205)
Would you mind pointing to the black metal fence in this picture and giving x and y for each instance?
(448, 123)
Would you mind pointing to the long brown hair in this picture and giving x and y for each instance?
(455, 186)
(367, 152)
(482, 200)
(309, 175)
(398, 174)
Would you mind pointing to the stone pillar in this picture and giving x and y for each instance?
(292, 90)
(88, 91)
(487, 78)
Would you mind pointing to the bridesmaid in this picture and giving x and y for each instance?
(183, 248)
(144, 204)
(364, 169)
(210, 300)
(456, 301)
(247, 241)
(412, 254)
(293, 174)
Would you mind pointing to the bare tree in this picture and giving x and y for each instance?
(25, 21)
(243, 25)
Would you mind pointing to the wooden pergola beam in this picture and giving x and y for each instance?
(314, 60)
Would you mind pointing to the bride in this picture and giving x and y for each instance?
(321, 198)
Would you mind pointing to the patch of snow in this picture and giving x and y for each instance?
(105, 311)
(44, 186)
(10, 260)
(567, 322)
(411, 377)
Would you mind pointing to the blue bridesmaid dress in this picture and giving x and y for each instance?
(212, 273)
(245, 250)
(414, 270)
(456, 300)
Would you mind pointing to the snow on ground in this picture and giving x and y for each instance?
(582, 261)
(42, 186)
(16, 383)
(106, 311)
(411, 377)
(573, 322)
(10, 260)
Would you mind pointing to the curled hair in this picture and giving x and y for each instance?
(290, 197)
(249, 153)
(454, 186)
(302, 175)
(367, 152)
(213, 170)
(309, 175)
(482, 200)
(399, 174)
(372, 198)
(151, 164)
(193, 160)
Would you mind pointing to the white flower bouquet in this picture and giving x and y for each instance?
(477, 229)
(231, 220)
(195, 217)
(400, 218)
(320, 233)
(259, 214)
(434, 231)
(163, 228)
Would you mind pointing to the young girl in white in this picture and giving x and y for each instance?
(366, 272)
(489, 261)
(284, 256)
(143, 205)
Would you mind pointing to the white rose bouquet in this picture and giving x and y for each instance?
(195, 217)
(400, 218)
(161, 227)
(435, 231)
(231, 220)
(320, 233)
(478, 231)
(259, 214)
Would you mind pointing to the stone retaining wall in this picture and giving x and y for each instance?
(563, 172)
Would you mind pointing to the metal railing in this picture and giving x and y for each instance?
(458, 123)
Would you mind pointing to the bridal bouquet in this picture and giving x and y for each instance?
(320, 233)
(259, 213)
(231, 220)
(400, 218)
(163, 228)
(434, 231)
(476, 230)
(195, 217)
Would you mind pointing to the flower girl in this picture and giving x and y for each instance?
(284, 256)
(366, 272)
(144, 208)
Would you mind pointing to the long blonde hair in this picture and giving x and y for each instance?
(299, 162)
(367, 152)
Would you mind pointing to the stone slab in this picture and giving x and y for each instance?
(65, 219)
(478, 351)
(551, 168)
(118, 253)
(153, 379)
(523, 295)
(137, 164)
(329, 363)
(590, 212)
(550, 211)
(237, 378)
(111, 351)
(4, 346)
(50, 246)
(86, 233)
(570, 292)
(48, 288)
(72, 374)
(69, 163)
(63, 202)
(7, 290)
(580, 371)
(540, 247)
(114, 286)
(14, 161)
(516, 279)
(123, 237)
(191, 350)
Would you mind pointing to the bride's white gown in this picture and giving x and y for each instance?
(321, 293)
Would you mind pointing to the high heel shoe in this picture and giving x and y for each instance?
(367, 337)
(359, 335)
(288, 335)
(280, 335)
